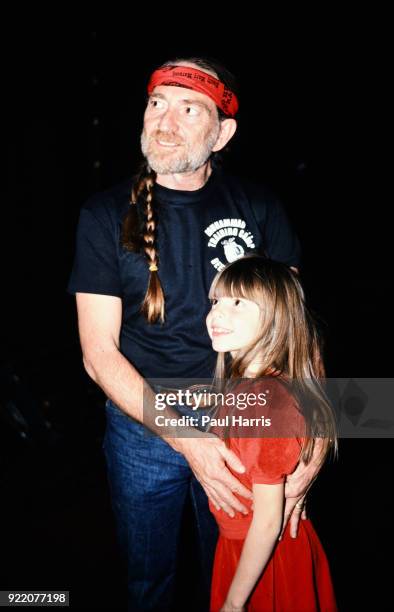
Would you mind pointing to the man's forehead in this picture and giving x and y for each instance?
(176, 93)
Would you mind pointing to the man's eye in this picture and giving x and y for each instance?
(191, 110)
(154, 103)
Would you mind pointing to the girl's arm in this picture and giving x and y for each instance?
(259, 543)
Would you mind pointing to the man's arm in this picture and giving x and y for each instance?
(297, 486)
(99, 324)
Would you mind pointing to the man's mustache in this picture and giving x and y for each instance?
(165, 137)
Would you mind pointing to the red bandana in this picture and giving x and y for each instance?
(183, 76)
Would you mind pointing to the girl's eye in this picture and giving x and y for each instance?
(213, 301)
(237, 302)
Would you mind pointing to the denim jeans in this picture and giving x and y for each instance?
(149, 482)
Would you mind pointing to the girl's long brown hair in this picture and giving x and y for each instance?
(288, 343)
(139, 235)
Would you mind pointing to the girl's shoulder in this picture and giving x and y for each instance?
(277, 390)
(269, 400)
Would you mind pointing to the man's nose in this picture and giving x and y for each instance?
(167, 121)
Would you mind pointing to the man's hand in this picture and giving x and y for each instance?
(207, 456)
(296, 487)
(228, 607)
(294, 509)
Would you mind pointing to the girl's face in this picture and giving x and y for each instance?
(233, 323)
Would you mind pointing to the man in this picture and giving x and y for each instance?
(141, 277)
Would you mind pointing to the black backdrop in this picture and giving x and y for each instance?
(310, 106)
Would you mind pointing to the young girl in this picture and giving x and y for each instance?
(264, 336)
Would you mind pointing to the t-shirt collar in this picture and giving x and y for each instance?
(177, 197)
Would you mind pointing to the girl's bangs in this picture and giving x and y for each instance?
(231, 284)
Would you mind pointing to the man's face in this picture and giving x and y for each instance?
(181, 126)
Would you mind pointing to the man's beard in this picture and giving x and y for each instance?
(187, 159)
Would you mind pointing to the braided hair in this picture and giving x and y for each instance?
(139, 235)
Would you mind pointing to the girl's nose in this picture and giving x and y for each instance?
(218, 312)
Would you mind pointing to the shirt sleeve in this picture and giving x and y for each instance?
(95, 268)
(269, 460)
(269, 454)
(280, 239)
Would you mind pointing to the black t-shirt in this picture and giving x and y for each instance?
(198, 232)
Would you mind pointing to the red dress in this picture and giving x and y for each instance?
(297, 577)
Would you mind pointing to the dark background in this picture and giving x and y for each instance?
(312, 104)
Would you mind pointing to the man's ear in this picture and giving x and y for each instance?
(227, 131)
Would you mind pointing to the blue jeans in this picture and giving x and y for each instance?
(149, 482)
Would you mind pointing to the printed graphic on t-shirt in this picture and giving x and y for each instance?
(231, 237)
